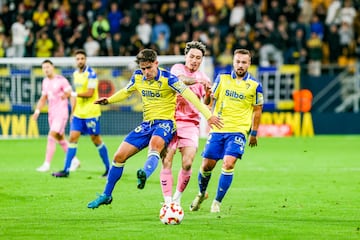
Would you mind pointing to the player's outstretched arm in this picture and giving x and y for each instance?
(102, 101)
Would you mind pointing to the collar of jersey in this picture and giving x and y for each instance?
(157, 76)
(85, 69)
(246, 77)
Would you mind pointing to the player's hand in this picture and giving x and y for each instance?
(252, 141)
(207, 85)
(66, 95)
(102, 101)
(213, 120)
(35, 115)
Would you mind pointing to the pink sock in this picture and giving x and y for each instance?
(64, 145)
(166, 181)
(50, 149)
(183, 179)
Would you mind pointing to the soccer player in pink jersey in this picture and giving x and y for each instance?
(187, 121)
(56, 90)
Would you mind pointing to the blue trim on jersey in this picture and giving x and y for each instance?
(132, 80)
(89, 126)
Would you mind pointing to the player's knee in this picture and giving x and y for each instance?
(118, 158)
(163, 152)
(208, 164)
(186, 165)
(228, 165)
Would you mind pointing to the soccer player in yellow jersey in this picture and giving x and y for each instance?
(85, 115)
(238, 101)
(158, 88)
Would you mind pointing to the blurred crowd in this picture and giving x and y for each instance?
(276, 31)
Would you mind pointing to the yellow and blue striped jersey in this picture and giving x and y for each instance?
(158, 95)
(234, 101)
(85, 107)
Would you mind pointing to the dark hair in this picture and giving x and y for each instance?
(80, 51)
(242, 51)
(196, 45)
(47, 61)
(146, 55)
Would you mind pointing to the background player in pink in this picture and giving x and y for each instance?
(187, 121)
(56, 90)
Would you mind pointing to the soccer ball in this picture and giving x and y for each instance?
(171, 214)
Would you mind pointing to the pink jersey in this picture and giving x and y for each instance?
(54, 89)
(185, 111)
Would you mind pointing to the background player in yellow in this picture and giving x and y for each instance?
(238, 101)
(85, 115)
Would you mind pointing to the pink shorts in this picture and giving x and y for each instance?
(58, 124)
(187, 135)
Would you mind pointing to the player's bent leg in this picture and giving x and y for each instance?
(141, 176)
(195, 205)
(102, 199)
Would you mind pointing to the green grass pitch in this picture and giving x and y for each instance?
(286, 188)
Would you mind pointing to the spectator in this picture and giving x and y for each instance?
(59, 46)
(331, 13)
(127, 29)
(114, 17)
(44, 45)
(197, 16)
(19, 33)
(333, 40)
(296, 54)
(237, 14)
(7, 18)
(30, 45)
(224, 19)
(160, 33)
(40, 16)
(317, 26)
(252, 12)
(3, 44)
(117, 48)
(78, 9)
(60, 15)
(347, 12)
(100, 32)
(209, 8)
(66, 32)
(169, 11)
(91, 47)
(346, 38)
(291, 10)
(320, 11)
(178, 26)
(306, 11)
(143, 30)
(274, 10)
(314, 45)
